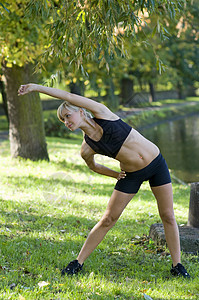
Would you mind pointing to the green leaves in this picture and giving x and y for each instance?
(4, 7)
(80, 31)
(21, 40)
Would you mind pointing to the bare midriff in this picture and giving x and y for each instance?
(136, 152)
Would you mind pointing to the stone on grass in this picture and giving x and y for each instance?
(189, 237)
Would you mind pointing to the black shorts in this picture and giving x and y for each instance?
(156, 172)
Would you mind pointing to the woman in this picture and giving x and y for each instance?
(140, 160)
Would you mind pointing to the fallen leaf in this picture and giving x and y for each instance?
(137, 237)
(43, 283)
(143, 291)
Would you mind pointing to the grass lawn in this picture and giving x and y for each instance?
(48, 209)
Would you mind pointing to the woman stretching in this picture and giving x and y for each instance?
(140, 160)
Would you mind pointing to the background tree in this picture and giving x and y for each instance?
(4, 97)
(181, 50)
(75, 33)
(20, 44)
(82, 32)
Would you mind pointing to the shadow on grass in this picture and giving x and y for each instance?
(36, 246)
(31, 243)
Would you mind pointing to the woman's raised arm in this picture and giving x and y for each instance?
(95, 107)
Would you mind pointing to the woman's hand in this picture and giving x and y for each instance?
(25, 89)
(121, 175)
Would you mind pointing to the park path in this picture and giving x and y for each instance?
(134, 110)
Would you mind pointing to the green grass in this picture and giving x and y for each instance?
(48, 209)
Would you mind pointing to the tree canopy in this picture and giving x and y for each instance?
(80, 31)
(21, 41)
(87, 35)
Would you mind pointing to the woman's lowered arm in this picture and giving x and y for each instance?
(98, 168)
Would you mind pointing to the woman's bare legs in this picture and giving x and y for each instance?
(164, 197)
(116, 205)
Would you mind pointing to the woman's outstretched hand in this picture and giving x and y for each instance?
(121, 175)
(25, 89)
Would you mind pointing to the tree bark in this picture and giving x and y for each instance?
(152, 92)
(193, 219)
(126, 90)
(180, 91)
(111, 99)
(4, 98)
(26, 127)
(77, 88)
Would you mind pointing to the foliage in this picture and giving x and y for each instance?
(161, 44)
(53, 127)
(82, 31)
(88, 35)
(21, 41)
(47, 210)
(181, 50)
(175, 52)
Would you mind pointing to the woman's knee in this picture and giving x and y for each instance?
(168, 217)
(108, 221)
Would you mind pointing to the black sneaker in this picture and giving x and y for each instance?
(73, 268)
(179, 270)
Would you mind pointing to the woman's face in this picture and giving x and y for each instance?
(72, 119)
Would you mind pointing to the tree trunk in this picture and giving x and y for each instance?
(193, 219)
(191, 91)
(4, 98)
(126, 90)
(77, 88)
(152, 92)
(26, 127)
(180, 91)
(111, 99)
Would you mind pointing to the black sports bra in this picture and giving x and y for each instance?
(114, 134)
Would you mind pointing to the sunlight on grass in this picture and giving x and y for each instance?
(47, 211)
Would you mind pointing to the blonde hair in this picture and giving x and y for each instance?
(70, 107)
